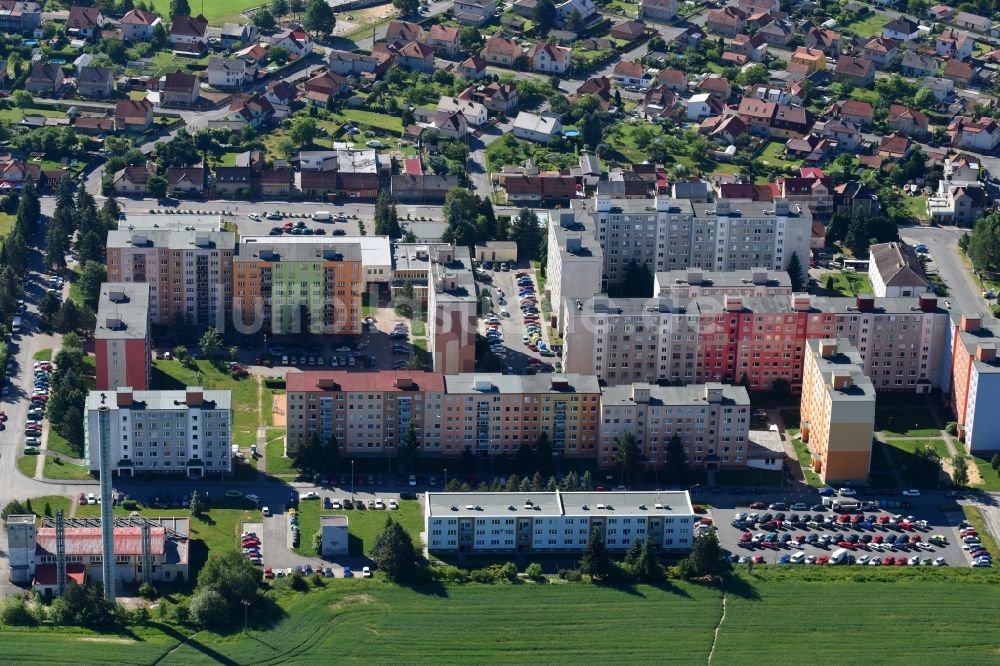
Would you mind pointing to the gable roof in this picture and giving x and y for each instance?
(189, 26)
(94, 75)
(474, 63)
(443, 33)
(417, 50)
(402, 31)
(902, 24)
(83, 18)
(45, 71)
(500, 45)
(858, 108)
(140, 17)
(902, 112)
(853, 66)
(898, 265)
(179, 82)
(127, 109)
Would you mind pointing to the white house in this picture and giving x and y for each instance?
(295, 39)
(895, 271)
(628, 73)
(550, 58)
(585, 9)
(474, 112)
(698, 107)
(534, 127)
(901, 29)
(227, 73)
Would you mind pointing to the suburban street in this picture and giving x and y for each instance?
(942, 244)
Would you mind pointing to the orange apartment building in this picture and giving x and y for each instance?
(974, 380)
(837, 410)
(297, 284)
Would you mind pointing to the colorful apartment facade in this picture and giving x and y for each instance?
(756, 341)
(122, 345)
(973, 379)
(287, 287)
(837, 411)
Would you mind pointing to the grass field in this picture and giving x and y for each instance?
(6, 223)
(991, 478)
(846, 284)
(56, 468)
(364, 525)
(55, 503)
(374, 622)
(901, 422)
(868, 26)
(911, 446)
(59, 444)
(26, 465)
(374, 120)
(174, 375)
(772, 155)
(43, 355)
(216, 11)
(274, 453)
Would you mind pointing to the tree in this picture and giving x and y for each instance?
(393, 552)
(211, 344)
(628, 455)
(92, 275)
(319, 18)
(632, 554)
(513, 484)
(527, 233)
(22, 99)
(647, 566)
(208, 608)
(232, 576)
(705, 559)
(534, 572)
(279, 8)
(595, 560)
(995, 461)
(303, 130)
(318, 543)
(69, 318)
(48, 307)
(386, 217)
(674, 458)
(574, 22)
(157, 186)
(197, 504)
(179, 8)
(984, 244)
(407, 7)
(592, 130)
(753, 74)
(470, 38)
(264, 19)
(960, 475)
(410, 446)
(857, 237)
(587, 482)
(795, 273)
(545, 16)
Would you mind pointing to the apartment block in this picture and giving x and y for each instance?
(758, 340)
(122, 336)
(493, 414)
(175, 432)
(672, 234)
(838, 410)
(411, 264)
(451, 312)
(691, 283)
(973, 379)
(189, 270)
(369, 412)
(575, 263)
(556, 522)
(711, 420)
(288, 287)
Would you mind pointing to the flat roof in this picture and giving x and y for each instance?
(171, 221)
(171, 238)
(558, 503)
(496, 383)
(461, 270)
(333, 521)
(375, 250)
(683, 277)
(845, 362)
(170, 400)
(319, 381)
(691, 394)
(295, 248)
(123, 311)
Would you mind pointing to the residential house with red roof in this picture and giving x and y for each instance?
(853, 110)
(757, 114)
(185, 180)
(138, 25)
(188, 35)
(320, 88)
(495, 96)
(907, 121)
(295, 39)
(178, 89)
(824, 39)
(416, 56)
(133, 115)
(981, 135)
(549, 58)
(500, 50)
(472, 68)
(628, 73)
(958, 71)
(954, 44)
(727, 22)
(856, 70)
(894, 147)
(443, 39)
(85, 22)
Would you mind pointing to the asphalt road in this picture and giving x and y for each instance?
(964, 293)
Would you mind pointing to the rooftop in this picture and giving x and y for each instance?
(496, 383)
(172, 400)
(296, 248)
(123, 311)
(396, 381)
(552, 504)
(693, 394)
(842, 369)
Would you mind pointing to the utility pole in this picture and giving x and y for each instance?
(246, 607)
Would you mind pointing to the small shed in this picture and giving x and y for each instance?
(334, 534)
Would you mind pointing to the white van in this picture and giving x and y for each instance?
(798, 558)
(323, 215)
(839, 556)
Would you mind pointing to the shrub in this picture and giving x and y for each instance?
(130, 505)
(951, 428)
(534, 572)
(208, 608)
(14, 612)
(298, 582)
(182, 615)
(147, 591)
(572, 575)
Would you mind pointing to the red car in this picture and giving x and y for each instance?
(847, 544)
(883, 520)
(822, 559)
(758, 559)
(888, 561)
(800, 538)
(40, 397)
(877, 538)
(268, 573)
(901, 562)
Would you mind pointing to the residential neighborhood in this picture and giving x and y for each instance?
(342, 326)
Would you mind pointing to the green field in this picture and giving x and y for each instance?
(216, 11)
(846, 284)
(43, 355)
(26, 465)
(911, 446)
(6, 223)
(275, 461)
(374, 120)
(901, 422)
(372, 622)
(868, 26)
(773, 154)
(56, 468)
(59, 444)
(174, 375)
(363, 525)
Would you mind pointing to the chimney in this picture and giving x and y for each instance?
(928, 302)
(842, 381)
(801, 302)
(865, 303)
(733, 303)
(327, 384)
(405, 383)
(194, 397)
(971, 322)
(986, 352)
(758, 276)
(827, 348)
(124, 397)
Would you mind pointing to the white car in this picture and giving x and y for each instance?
(366, 572)
(309, 495)
(265, 512)
(863, 559)
(940, 562)
(393, 504)
(379, 504)
(413, 480)
(254, 216)
(849, 492)
(912, 492)
(875, 562)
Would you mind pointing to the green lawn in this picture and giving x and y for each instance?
(56, 468)
(846, 284)
(374, 622)
(165, 62)
(374, 120)
(174, 375)
(216, 11)
(991, 478)
(43, 355)
(14, 116)
(867, 26)
(902, 422)
(274, 453)
(805, 461)
(6, 223)
(364, 525)
(54, 502)
(59, 444)
(773, 156)
(916, 206)
(975, 516)
(418, 328)
(26, 465)
(911, 446)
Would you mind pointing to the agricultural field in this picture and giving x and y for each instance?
(674, 624)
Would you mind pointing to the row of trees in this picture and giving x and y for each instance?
(68, 392)
(641, 562)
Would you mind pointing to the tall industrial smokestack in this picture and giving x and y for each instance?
(107, 515)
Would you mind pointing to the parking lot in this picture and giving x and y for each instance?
(513, 325)
(791, 530)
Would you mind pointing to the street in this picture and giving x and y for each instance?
(942, 245)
